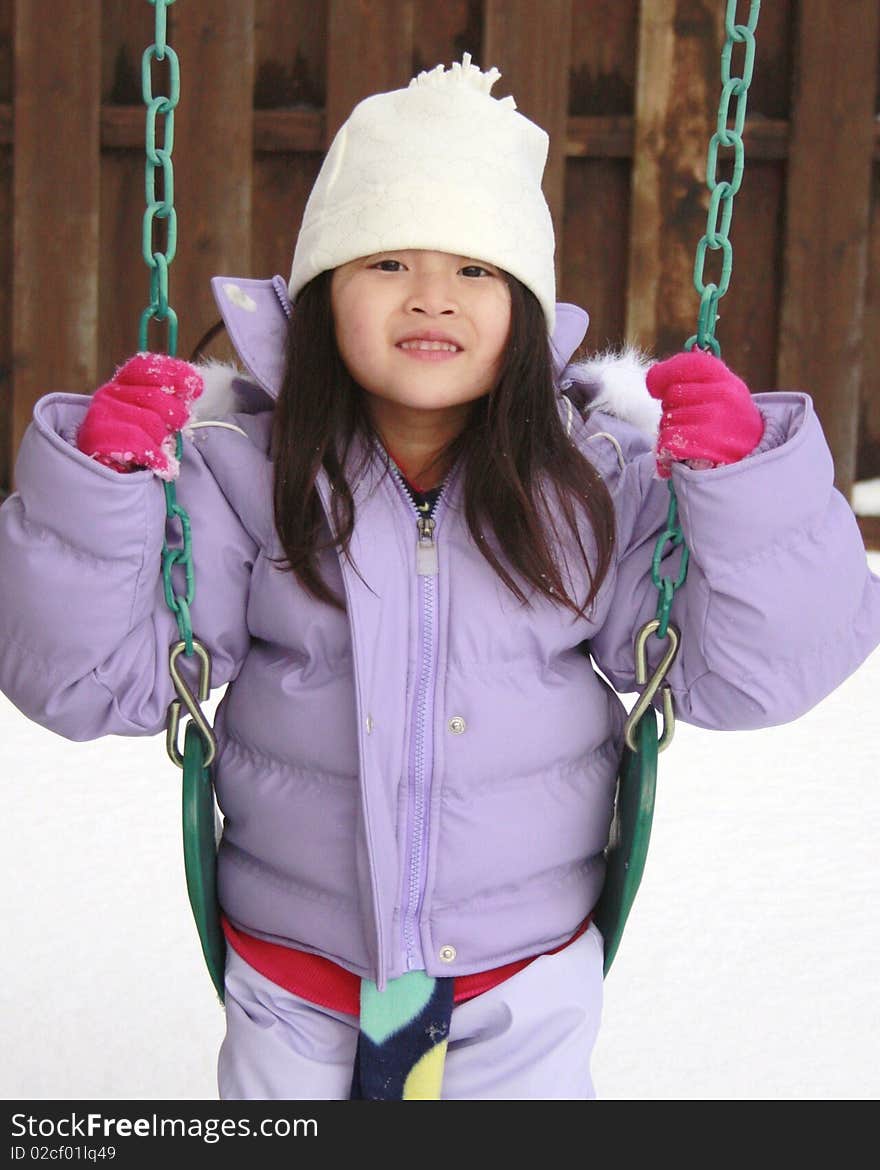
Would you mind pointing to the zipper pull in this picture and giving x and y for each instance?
(426, 549)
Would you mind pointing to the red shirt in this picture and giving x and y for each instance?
(324, 982)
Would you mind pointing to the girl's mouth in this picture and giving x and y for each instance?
(430, 351)
(425, 343)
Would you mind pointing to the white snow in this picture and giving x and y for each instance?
(866, 497)
(750, 968)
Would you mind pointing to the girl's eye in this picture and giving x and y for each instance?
(387, 265)
(476, 270)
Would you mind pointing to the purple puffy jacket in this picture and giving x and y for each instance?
(427, 779)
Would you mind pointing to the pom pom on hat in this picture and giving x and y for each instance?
(440, 165)
(462, 74)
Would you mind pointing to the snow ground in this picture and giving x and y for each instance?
(750, 968)
(866, 498)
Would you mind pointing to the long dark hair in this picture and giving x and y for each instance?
(517, 460)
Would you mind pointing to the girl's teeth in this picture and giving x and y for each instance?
(429, 345)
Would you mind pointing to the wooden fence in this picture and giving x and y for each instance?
(628, 91)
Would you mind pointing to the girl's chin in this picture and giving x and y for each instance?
(420, 399)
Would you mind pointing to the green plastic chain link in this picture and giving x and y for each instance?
(159, 159)
(722, 191)
(666, 586)
(179, 604)
(715, 239)
(162, 209)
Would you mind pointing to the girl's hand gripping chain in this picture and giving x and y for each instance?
(708, 417)
(132, 420)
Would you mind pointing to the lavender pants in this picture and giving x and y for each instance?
(529, 1038)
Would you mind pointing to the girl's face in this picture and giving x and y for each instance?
(422, 332)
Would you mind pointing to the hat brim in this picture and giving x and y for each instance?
(257, 314)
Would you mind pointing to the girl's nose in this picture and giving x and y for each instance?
(432, 294)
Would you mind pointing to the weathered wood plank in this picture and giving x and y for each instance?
(275, 131)
(289, 131)
(868, 454)
(290, 50)
(281, 187)
(770, 91)
(600, 136)
(604, 35)
(127, 28)
(748, 315)
(599, 147)
(676, 98)
(870, 529)
(613, 136)
(55, 202)
(825, 260)
(5, 321)
(443, 32)
(5, 246)
(369, 50)
(531, 44)
(289, 124)
(213, 154)
(6, 10)
(593, 272)
(124, 284)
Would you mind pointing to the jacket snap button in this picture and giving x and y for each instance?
(369, 724)
(447, 954)
(457, 725)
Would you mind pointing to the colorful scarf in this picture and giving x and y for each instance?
(402, 1041)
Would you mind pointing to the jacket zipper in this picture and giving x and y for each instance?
(421, 753)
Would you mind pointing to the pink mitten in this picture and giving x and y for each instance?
(132, 420)
(708, 414)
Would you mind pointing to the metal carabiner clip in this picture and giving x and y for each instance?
(653, 685)
(190, 702)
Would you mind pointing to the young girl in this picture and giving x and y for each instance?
(416, 528)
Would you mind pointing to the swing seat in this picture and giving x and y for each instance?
(630, 835)
(201, 825)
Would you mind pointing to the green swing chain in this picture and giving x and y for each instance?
(716, 238)
(159, 158)
(722, 191)
(160, 206)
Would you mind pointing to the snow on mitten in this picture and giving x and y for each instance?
(132, 421)
(708, 417)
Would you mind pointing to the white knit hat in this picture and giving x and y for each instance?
(440, 165)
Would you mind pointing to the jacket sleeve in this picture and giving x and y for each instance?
(84, 627)
(778, 606)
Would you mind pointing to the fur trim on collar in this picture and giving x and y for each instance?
(228, 390)
(614, 383)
